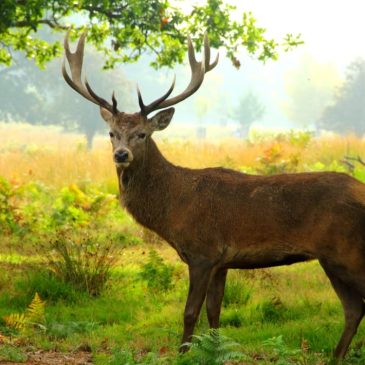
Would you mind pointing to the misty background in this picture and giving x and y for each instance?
(319, 86)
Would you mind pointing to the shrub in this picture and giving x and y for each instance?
(76, 207)
(156, 273)
(9, 214)
(272, 162)
(83, 263)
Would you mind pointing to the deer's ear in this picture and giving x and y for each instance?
(106, 115)
(162, 119)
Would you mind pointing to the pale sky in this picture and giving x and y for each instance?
(332, 30)
(334, 35)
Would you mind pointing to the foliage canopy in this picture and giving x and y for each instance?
(125, 29)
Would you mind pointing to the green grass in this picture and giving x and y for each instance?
(295, 302)
(12, 353)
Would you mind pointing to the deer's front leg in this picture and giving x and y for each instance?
(199, 276)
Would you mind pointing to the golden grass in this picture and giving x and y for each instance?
(45, 154)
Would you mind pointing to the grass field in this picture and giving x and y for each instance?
(111, 289)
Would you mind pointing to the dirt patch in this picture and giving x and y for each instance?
(55, 358)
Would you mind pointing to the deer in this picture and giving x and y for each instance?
(218, 219)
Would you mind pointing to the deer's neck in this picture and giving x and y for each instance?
(145, 187)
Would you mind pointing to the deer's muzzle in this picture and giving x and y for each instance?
(123, 156)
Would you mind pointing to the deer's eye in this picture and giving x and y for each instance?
(141, 135)
(111, 134)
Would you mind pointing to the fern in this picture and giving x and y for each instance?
(33, 316)
(15, 320)
(281, 351)
(213, 349)
(35, 310)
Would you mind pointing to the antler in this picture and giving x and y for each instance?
(198, 70)
(75, 62)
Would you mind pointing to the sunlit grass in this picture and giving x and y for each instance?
(47, 155)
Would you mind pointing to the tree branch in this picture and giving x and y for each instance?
(51, 23)
(112, 14)
(149, 45)
(357, 159)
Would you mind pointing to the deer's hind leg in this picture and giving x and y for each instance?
(215, 296)
(199, 277)
(353, 305)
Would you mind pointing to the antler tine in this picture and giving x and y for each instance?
(209, 66)
(191, 53)
(115, 103)
(198, 70)
(75, 61)
(100, 101)
(146, 109)
(140, 101)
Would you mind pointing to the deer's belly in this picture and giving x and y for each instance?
(255, 259)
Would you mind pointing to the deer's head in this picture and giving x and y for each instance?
(129, 133)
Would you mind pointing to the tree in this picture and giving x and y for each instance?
(309, 88)
(40, 97)
(249, 110)
(125, 29)
(347, 113)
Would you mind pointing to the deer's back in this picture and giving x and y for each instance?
(224, 212)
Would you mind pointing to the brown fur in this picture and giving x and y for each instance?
(218, 219)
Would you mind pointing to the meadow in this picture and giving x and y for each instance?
(79, 276)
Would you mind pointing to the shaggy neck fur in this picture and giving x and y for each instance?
(143, 184)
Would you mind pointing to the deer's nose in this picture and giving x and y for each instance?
(121, 156)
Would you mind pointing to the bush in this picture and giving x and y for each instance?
(9, 212)
(156, 273)
(83, 263)
(76, 207)
(272, 161)
(32, 207)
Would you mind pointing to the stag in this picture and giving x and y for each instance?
(219, 219)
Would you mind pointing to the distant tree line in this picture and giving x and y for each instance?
(37, 96)
(346, 114)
